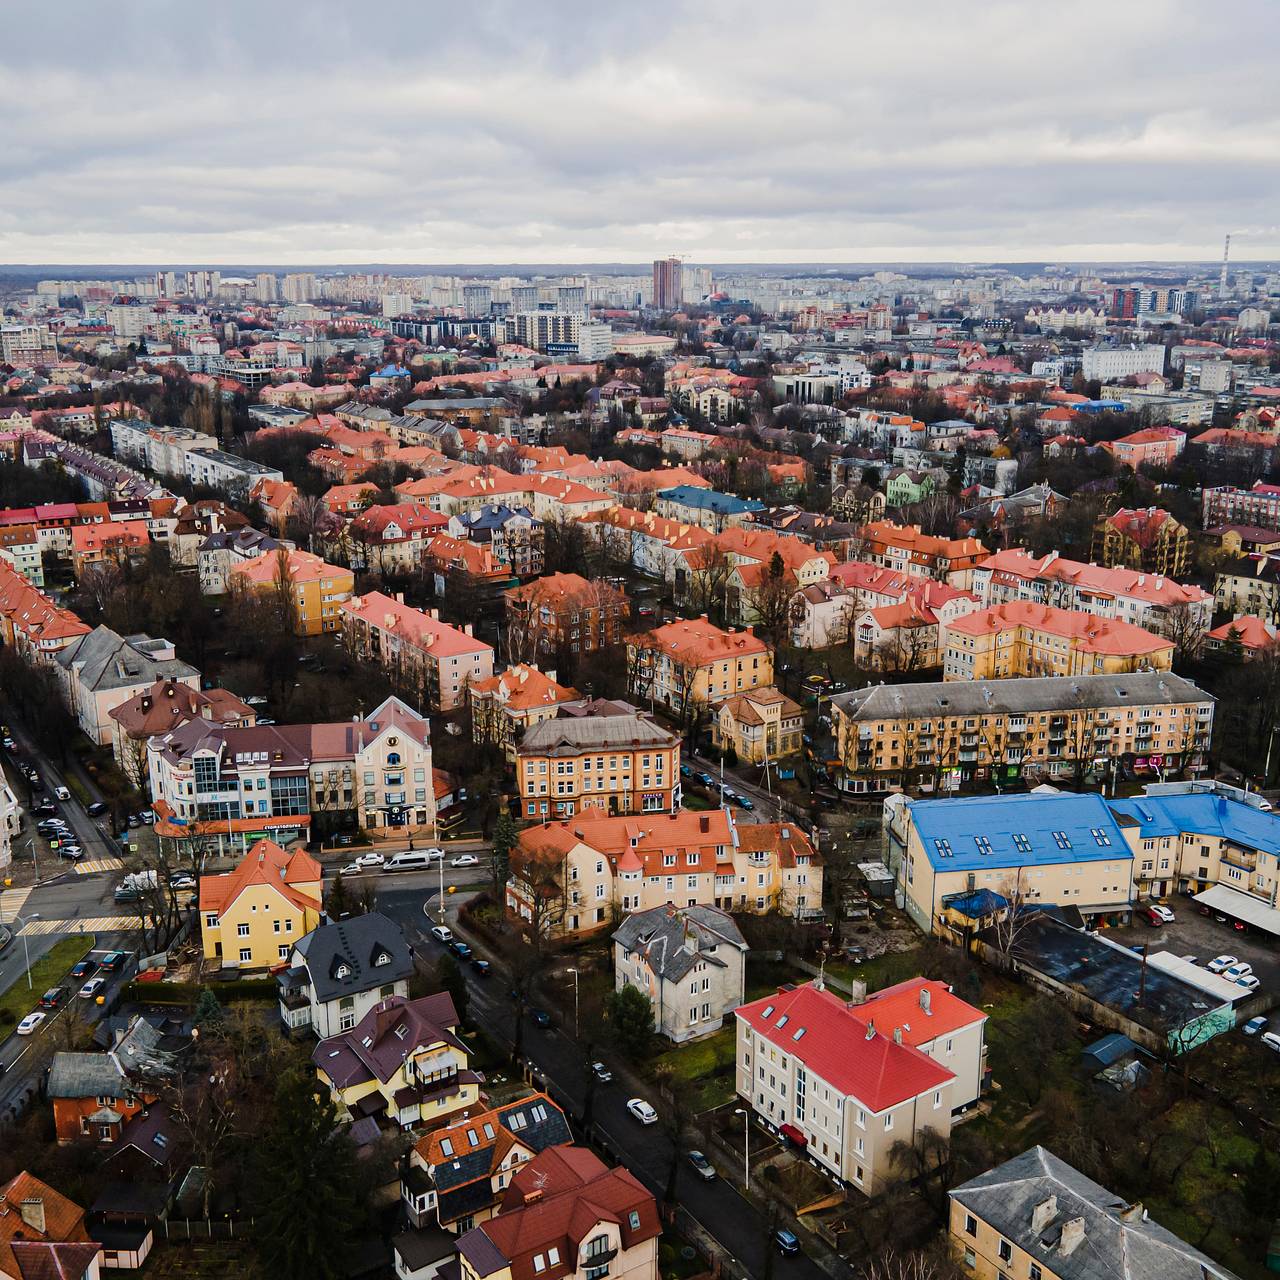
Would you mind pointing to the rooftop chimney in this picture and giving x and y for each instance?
(1133, 1212)
(1072, 1237)
(871, 1029)
(925, 999)
(897, 1035)
(1043, 1214)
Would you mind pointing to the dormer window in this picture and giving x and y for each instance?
(343, 971)
(401, 1031)
(383, 957)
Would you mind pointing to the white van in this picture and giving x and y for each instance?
(409, 860)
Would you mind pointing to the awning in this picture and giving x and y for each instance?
(1241, 906)
(792, 1134)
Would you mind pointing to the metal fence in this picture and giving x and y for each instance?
(207, 1228)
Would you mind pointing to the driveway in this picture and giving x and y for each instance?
(1192, 934)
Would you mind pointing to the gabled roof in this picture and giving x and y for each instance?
(354, 955)
(265, 863)
(852, 1055)
(63, 1220)
(376, 1047)
(674, 939)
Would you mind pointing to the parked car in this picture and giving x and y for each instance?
(702, 1165)
(46, 809)
(464, 860)
(642, 1111)
(785, 1242)
(686, 771)
(97, 809)
(86, 967)
(482, 967)
(541, 1018)
(746, 802)
(601, 1072)
(341, 842)
(371, 859)
(1271, 1040)
(69, 850)
(92, 987)
(1234, 972)
(10, 745)
(1250, 982)
(1149, 915)
(53, 997)
(256, 700)
(460, 949)
(1219, 963)
(1159, 909)
(30, 1023)
(442, 933)
(706, 779)
(182, 880)
(114, 960)
(62, 793)
(1254, 1026)
(147, 817)
(134, 820)
(351, 869)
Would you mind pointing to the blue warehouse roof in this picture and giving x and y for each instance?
(986, 832)
(690, 495)
(1204, 813)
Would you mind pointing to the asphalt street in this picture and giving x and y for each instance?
(644, 1149)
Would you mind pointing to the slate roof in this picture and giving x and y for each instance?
(86, 1075)
(1120, 1242)
(569, 736)
(111, 661)
(346, 1059)
(356, 944)
(674, 939)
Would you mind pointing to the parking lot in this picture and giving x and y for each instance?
(1192, 934)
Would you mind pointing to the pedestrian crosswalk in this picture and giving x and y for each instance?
(90, 866)
(91, 924)
(11, 901)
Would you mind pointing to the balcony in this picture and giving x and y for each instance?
(1244, 859)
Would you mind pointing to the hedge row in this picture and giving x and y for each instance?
(188, 993)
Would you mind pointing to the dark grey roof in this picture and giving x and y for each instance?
(1119, 1242)
(418, 1249)
(107, 660)
(86, 1075)
(1020, 694)
(535, 1121)
(356, 944)
(481, 1253)
(590, 733)
(674, 939)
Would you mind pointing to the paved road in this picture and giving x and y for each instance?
(766, 805)
(719, 1206)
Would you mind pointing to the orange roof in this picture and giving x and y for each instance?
(1016, 563)
(697, 642)
(558, 591)
(522, 688)
(903, 1008)
(63, 1220)
(265, 863)
(264, 570)
(417, 628)
(1251, 632)
(912, 538)
(1090, 634)
(118, 533)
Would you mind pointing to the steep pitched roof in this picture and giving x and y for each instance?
(354, 955)
(265, 863)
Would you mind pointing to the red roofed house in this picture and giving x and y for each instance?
(565, 1214)
(1159, 446)
(504, 706)
(846, 1082)
(1252, 635)
(43, 1235)
(1143, 538)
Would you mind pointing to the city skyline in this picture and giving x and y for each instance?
(726, 136)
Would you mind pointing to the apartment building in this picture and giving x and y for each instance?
(317, 590)
(1024, 639)
(607, 763)
(564, 612)
(690, 961)
(20, 547)
(513, 537)
(1065, 850)
(220, 551)
(30, 622)
(931, 737)
(759, 726)
(505, 705)
(845, 1085)
(690, 504)
(251, 918)
(653, 544)
(162, 450)
(1148, 540)
(1107, 364)
(1258, 506)
(216, 779)
(416, 648)
(1038, 1217)
(692, 663)
(568, 879)
(1153, 601)
(907, 549)
(1250, 588)
(1152, 446)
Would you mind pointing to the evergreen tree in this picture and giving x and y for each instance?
(208, 1014)
(339, 902)
(303, 1188)
(504, 840)
(316, 376)
(1261, 1193)
(450, 978)
(630, 1016)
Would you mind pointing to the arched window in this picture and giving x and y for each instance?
(393, 757)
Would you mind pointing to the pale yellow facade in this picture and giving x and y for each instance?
(259, 927)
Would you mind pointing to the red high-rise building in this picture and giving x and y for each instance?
(668, 285)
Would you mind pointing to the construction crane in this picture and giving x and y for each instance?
(1226, 255)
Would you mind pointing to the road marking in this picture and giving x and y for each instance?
(91, 924)
(98, 864)
(11, 901)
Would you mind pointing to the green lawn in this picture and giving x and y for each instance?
(703, 1070)
(883, 971)
(18, 1001)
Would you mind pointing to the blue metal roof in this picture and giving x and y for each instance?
(689, 495)
(985, 832)
(1205, 813)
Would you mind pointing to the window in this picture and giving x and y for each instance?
(1005, 1251)
(970, 1259)
(1034, 1271)
(633, 1220)
(888, 1121)
(596, 1246)
(242, 931)
(282, 951)
(970, 1225)
(245, 955)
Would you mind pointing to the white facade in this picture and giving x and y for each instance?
(1108, 363)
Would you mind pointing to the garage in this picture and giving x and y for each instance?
(1241, 906)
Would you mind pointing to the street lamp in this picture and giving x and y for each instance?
(575, 1002)
(746, 1146)
(26, 946)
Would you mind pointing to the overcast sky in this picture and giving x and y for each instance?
(235, 132)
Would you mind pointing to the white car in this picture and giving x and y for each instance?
(92, 987)
(436, 855)
(1235, 972)
(62, 793)
(370, 860)
(1219, 963)
(29, 1023)
(1163, 912)
(642, 1111)
(442, 933)
(1271, 1040)
(1250, 982)
(351, 869)
(465, 860)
